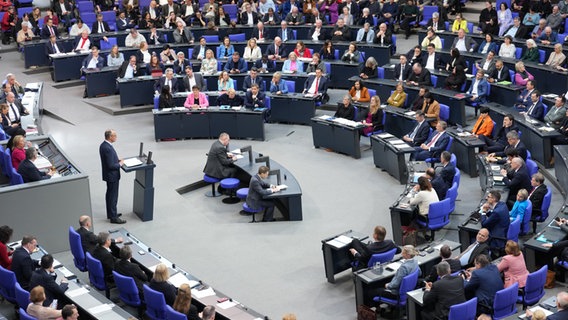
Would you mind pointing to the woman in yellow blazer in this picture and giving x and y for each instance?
(460, 23)
(431, 109)
(397, 97)
(359, 93)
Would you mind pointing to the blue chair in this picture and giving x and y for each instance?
(231, 10)
(8, 285)
(267, 105)
(190, 54)
(22, 296)
(393, 45)
(219, 65)
(327, 68)
(77, 250)
(470, 27)
(534, 288)
(15, 178)
(85, 7)
(97, 274)
(155, 303)
(543, 209)
(361, 56)
(427, 12)
(434, 160)
(355, 113)
(127, 290)
(454, 161)
(22, 11)
(238, 37)
(408, 283)
(457, 176)
(434, 80)
(107, 45)
(514, 230)
(218, 54)
(529, 156)
(252, 211)
(291, 85)
(452, 194)
(381, 72)
(372, 92)
(518, 53)
(211, 38)
(88, 17)
(230, 184)
(525, 225)
(24, 315)
(464, 311)
(171, 314)
(242, 193)
(443, 41)
(512, 75)
(109, 16)
(3, 135)
(156, 102)
(505, 302)
(211, 181)
(498, 3)
(532, 167)
(444, 112)
(336, 54)
(295, 34)
(381, 257)
(541, 55)
(438, 216)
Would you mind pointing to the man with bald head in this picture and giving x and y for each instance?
(516, 178)
(561, 305)
(88, 238)
(15, 108)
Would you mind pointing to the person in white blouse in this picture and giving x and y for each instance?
(78, 28)
(346, 16)
(209, 64)
(115, 58)
(507, 49)
(556, 58)
(252, 51)
(422, 196)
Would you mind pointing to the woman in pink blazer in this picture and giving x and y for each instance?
(196, 99)
(513, 265)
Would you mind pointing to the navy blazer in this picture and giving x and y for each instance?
(95, 27)
(289, 34)
(180, 68)
(440, 145)
(516, 181)
(258, 103)
(45, 34)
(560, 315)
(322, 85)
(110, 162)
(447, 173)
(247, 84)
(23, 266)
(482, 90)
(30, 172)
(270, 50)
(271, 66)
(406, 72)
(537, 112)
(256, 34)
(240, 65)
(521, 149)
(258, 188)
(87, 60)
(497, 222)
(160, 84)
(49, 49)
(52, 290)
(422, 134)
(484, 284)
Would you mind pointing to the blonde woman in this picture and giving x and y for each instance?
(252, 51)
(209, 64)
(183, 303)
(225, 82)
(374, 119)
(160, 283)
(398, 97)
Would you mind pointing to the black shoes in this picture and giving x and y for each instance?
(117, 221)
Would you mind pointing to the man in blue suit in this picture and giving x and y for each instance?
(254, 98)
(448, 170)
(93, 60)
(495, 219)
(44, 276)
(258, 188)
(236, 64)
(483, 283)
(479, 88)
(111, 174)
(284, 32)
(436, 143)
(524, 99)
(253, 78)
(516, 178)
(420, 133)
(316, 84)
(535, 109)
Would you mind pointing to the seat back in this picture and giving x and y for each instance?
(24, 10)
(128, 292)
(534, 288)
(109, 16)
(155, 303)
(434, 80)
(7, 162)
(291, 85)
(505, 303)
(541, 55)
(408, 284)
(532, 167)
(514, 229)
(22, 296)
(470, 27)
(444, 112)
(381, 257)
(85, 7)
(464, 311)
(15, 178)
(238, 37)
(77, 250)
(427, 13)
(231, 10)
(8, 284)
(545, 205)
(518, 53)
(372, 92)
(327, 68)
(452, 194)
(355, 113)
(381, 72)
(439, 214)
(107, 45)
(336, 53)
(171, 314)
(525, 226)
(96, 272)
(211, 38)
(454, 160)
(24, 315)
(512, 76)
(457, 176)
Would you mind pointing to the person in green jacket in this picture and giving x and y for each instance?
(531, 53)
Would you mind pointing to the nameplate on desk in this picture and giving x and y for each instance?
(132, 162)
(498, 178)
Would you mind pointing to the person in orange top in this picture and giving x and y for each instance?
(359, 93)
(431, 109)
(484, 124)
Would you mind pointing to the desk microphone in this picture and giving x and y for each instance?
(173, 265)
(149, 249)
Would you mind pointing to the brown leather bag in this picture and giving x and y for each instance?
(365, 313)
(550, 279)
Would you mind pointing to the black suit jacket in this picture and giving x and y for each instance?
(23, 266)
(265, 33)
(289, 34)
(270, 50)
(521, 32)
(258, 103)
(482, 248)
(322, 36)
(224, 100)
(165, 9)
(322, 85)
(129, 269)
(195, 52)
(455, 266)
(423, 79)
(441, 24)
(50, 50)
(218, 164)
(243, 17)
(406, 72)
(160, 84)
(107, 260)
(58, 8)
(199, 81)
(95, 27)
(447, 173)
(258, 188)
(40, 277)
(167, 289)
(536, 198)
(124, 66)
(505, 75)
(180, 68)
(412, 59)
(516, 181)
(248, 83)
(439, 186)
(109, 161)
(45, 32)
(422, 134)
(88, 239)
(521, 149)
(444, 293)
(30, 172)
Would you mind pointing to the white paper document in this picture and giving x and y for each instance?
(179, 278)
(66, 272)
(131, 162)
(226, 305)
(202, 293)
(76, 292)
(100, 308)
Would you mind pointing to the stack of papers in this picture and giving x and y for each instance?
(33, 86)
(179, 278)
(202, 293)
(101, 308)
(410, 113)
(234, 108)
(547, 129)
(236, 151)
(76, 292)
(131, 162)
(226, 305)
(340, 241)
(325, 117)
(346, 122)
(394, 266)
(385, 135)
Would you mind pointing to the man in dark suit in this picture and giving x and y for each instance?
(29, 171)
(340, 32)
(155, 15)
(437, 183)
(254, 98)
(436, 143)
(277, 50)
(317, 32)
(421, 131)
(516, 178)
(230, 98)
(499, 73)
(480, 246)
(516, 30)
(22, 264)
(415, 55)
(128, 69)
(193, 79)
(536, 109)
(435, 23)
(93, 60)
(284, 32)
(49, 29)
(561, 305)
(100, 26)
(442, 294)
(167, 80)
(15, 108)
(253, 78)
(64, 11)
(219, 161)
(419, 76)
(362, 253)
(316, 84)
(123, 22)
(181, 64)
(126, 268)
(45, 276)
(536, 196)
(258, 189)
(514, 143)
(103, 253)
(111, 174)
(52, 47)
(199, 50)
(524, 99)
(402, 69)
(260, 33)
(448, 171)
(171, 6)
(496, 220)
(155, 37)
(483, 283)
(236, 64)
(88, 238)
(446, 256)
(432, 60)
(248, 17)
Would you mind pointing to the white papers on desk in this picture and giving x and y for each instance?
(33, 85)
(394, 266)
(340, 241)
(179, 278)
(281, 187)
(496, 168)
(498, 178)
(236, 151)
(385, 135)
(469, 76)
(464, 134)
(438, 247)
(179, 108)
(238, 156)
(309, 95)
(56, 263)
(546, 312)
(346, 122)
(132, 162)
(202, 293)
(410, 113)
(550, 95)
(66, 272)
(238, 108)
(547, 129)
(226, 305)
(101, 308)
(42, 163)
(77, 292)
(325, 117)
